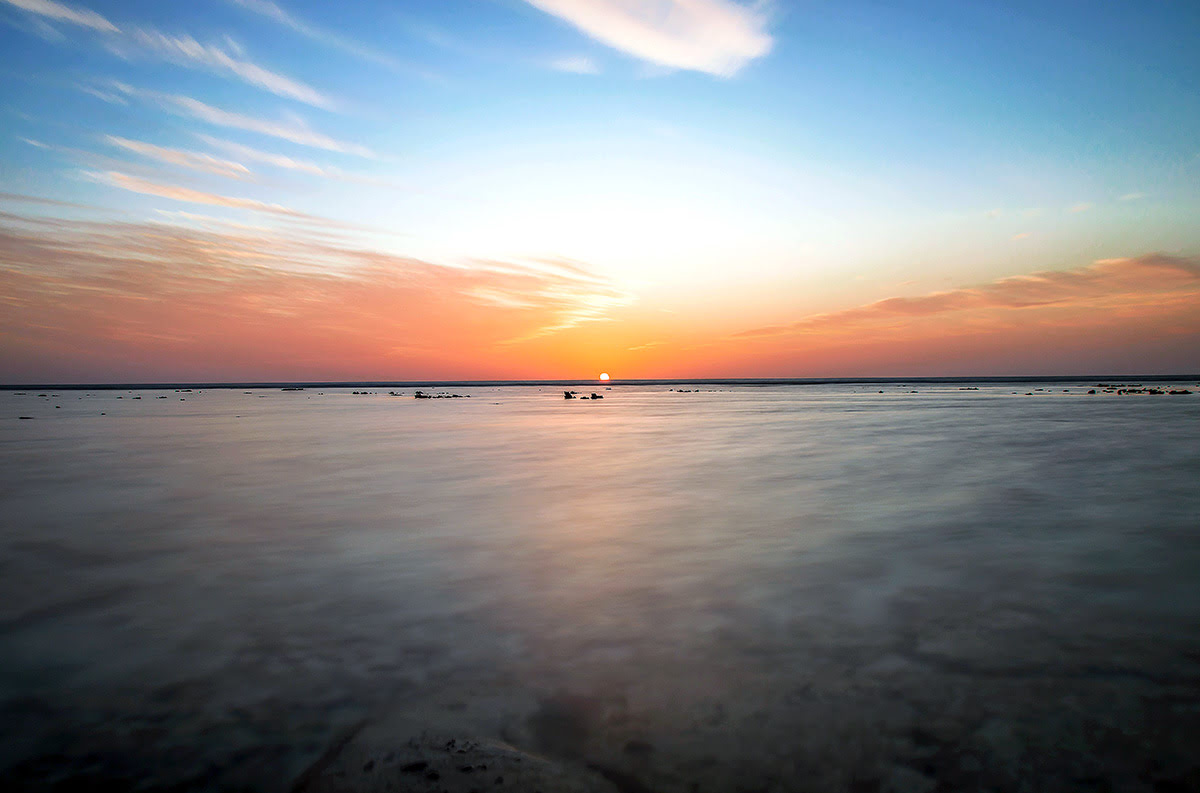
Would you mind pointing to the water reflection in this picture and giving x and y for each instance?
(759, 588)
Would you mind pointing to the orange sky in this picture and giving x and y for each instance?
(106, 301)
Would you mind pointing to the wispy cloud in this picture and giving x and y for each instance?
(223, 303)
(575, 64)
(21, 198)
(182, 49)
(177, 193)
(196, 161)
(1141, 278)
(714, 36)
(270, 158)
(64, 13)
(1133, 196)
(1082, 207)
(186, 50)
(293, 129)
(1024, 235)
(277, 13)
(104, 96)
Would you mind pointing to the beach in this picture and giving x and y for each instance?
(901, 586)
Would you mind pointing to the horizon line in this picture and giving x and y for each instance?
(596, 381)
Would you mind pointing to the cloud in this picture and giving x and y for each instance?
(1128, 280)
(104, 96)
(65, 13)
(1084, 207)
(294, 130)
(136, 184)
(278, 14)
(1024, 235)
(714, 36)
(181, 49)
(92, 300)
(186, 159)
(1133, 196)
(270, 158)
(30, 199)
(188, 51)
(575, 64)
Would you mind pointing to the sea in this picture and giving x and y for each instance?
(906, 586)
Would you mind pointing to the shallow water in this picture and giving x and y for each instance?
(747, 588)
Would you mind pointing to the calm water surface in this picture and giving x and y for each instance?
(752, 588)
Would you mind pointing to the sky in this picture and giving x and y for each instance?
(273, 190)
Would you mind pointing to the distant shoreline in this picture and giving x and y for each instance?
(765, 381)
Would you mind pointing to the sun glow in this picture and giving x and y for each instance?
(604, 377)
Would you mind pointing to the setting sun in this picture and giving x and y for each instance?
(604, 376)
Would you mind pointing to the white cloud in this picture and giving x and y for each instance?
(104, 96)
(275, 12)
(713, 36)
(575, 64)
(187, 159)
(1133, 196)
(294, 130)
(187, 50)
(270, 158)
(1080, 208)
(64, 13)
(182, 49)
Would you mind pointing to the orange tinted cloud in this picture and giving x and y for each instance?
(1136, 279)
(112, 301)
(1134, 315)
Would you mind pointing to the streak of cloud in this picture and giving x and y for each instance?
(718, 37)
(64, 13)
(294, 130)
(186, 159)
(136, 184)
(184, 49)
(270, 158)
(575, 64)
(181, 49)
(1141, 278)
(226, 301)
(277, 13)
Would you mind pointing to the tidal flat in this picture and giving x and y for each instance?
(841, 587)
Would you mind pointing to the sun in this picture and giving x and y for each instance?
(604, 376)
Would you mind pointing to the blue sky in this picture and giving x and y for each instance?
(760, 161)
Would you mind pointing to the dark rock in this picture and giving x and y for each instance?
(25, 417)
(414, 768)
(1092, 391)
(370, 764)
(568, 394)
